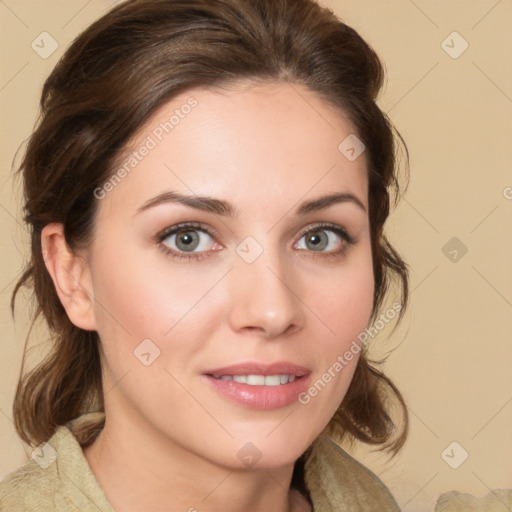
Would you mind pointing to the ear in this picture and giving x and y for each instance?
(71, 277)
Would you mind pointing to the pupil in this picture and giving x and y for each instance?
(187, 240)
(316, 240)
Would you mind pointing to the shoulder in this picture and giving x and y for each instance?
(56, 479)
(36, 485)
(337, 481)
(455, 501)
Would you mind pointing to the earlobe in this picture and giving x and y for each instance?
(71, 277)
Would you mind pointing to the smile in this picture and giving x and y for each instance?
(259, 380)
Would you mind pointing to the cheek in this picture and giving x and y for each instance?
(140, 298)
(344, 307)
(345, 303)
(142, 312)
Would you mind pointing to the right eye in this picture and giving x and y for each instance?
(187, 240)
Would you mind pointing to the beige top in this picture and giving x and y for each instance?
(59, 479)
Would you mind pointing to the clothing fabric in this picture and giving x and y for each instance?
(58, 478)
(454, 501)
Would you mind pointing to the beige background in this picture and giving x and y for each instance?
(454, 357)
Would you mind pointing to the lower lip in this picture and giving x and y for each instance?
(260, 397)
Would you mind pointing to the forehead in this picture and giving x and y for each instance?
(249, 143)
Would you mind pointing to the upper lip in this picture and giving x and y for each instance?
(254, 368)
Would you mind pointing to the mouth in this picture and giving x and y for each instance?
(260, 369)
(259, 380)
(258, 385)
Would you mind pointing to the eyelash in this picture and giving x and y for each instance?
(191, 226)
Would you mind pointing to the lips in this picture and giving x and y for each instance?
(280, 368)
(258, 385)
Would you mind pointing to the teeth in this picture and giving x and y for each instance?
(259, 380)
(255, 380)
(272, 380)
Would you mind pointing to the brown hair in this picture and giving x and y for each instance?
(110, 80)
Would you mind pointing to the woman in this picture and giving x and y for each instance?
(207, 189)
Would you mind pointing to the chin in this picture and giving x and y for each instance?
(276, 451)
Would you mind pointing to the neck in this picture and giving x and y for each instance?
(157, 474)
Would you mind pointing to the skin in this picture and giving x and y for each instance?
(170, 441)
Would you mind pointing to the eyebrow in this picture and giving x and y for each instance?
(220, 207)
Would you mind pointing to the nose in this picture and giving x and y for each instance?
(264, 299)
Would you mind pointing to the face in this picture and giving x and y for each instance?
(225, 288)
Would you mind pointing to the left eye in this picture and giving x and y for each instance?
(321, 239)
